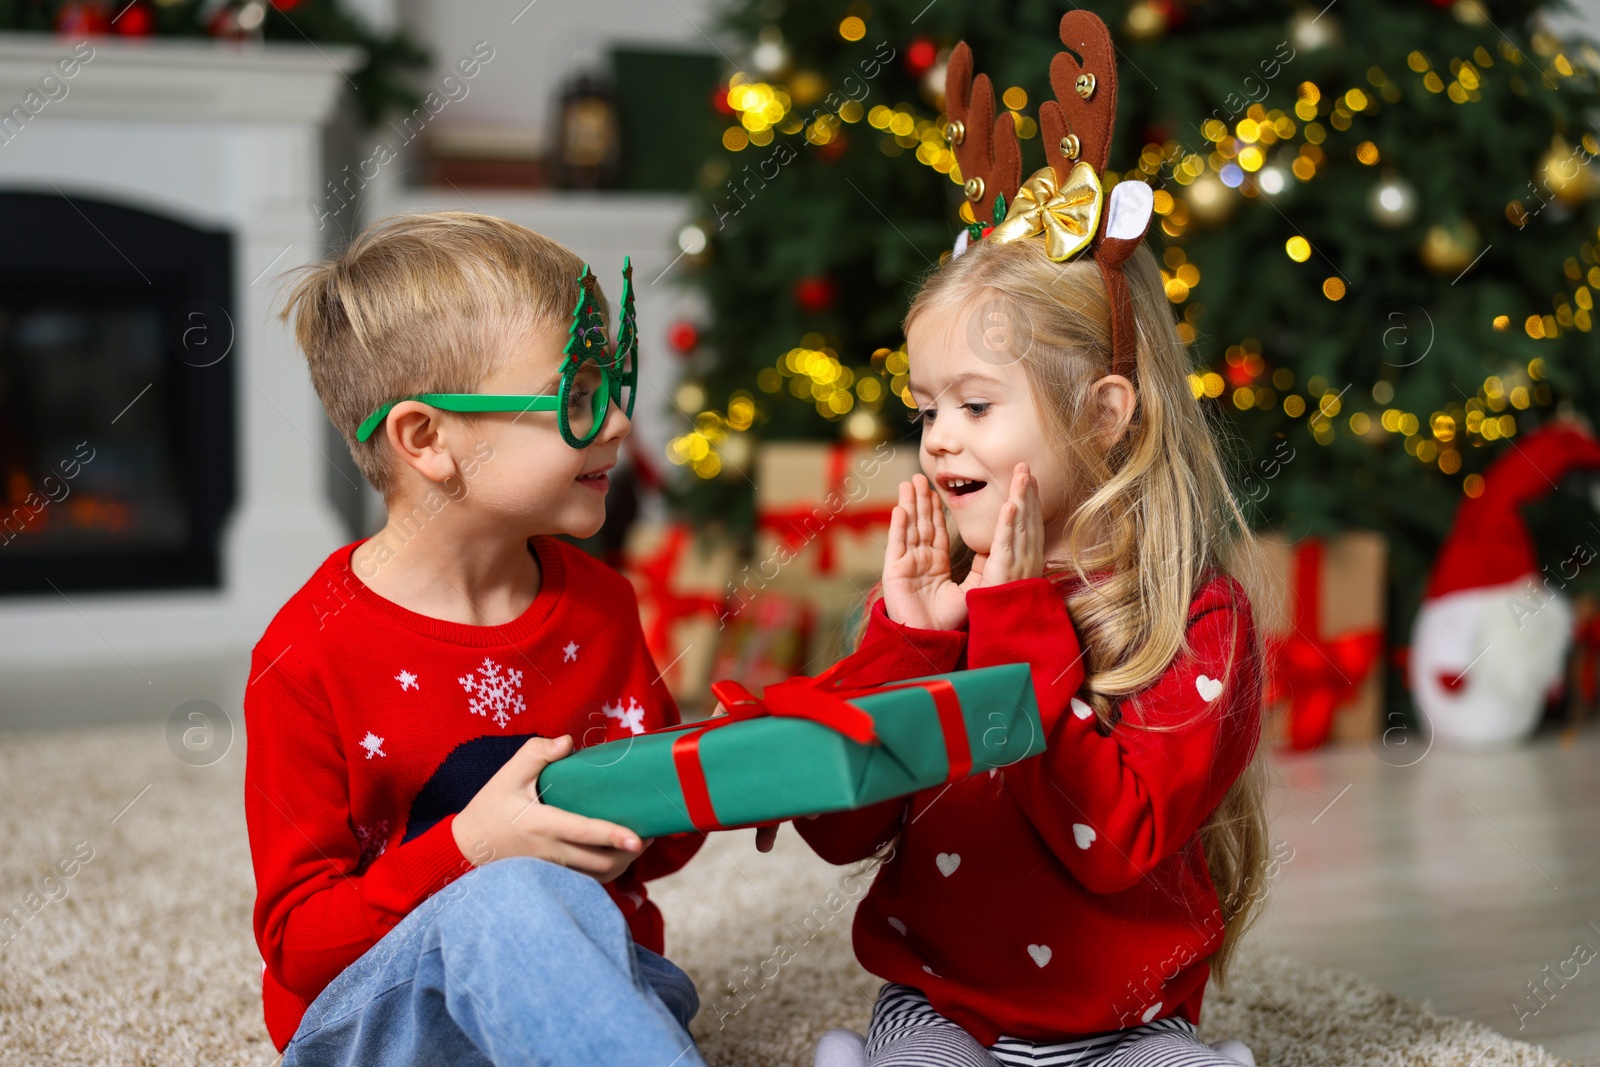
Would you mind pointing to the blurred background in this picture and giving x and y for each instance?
(1379, 225)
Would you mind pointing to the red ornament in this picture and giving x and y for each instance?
(719, 101)
(136, 20)
(285, 5)
(815, 294)
(1239, 374)
(920, 56)
(683, 338)
(82, 18)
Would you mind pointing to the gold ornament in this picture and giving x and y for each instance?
(1070, 146)
(955, 132)
(1566, 174)
(974, 188)
(1449, 249)
(1210, 201)
(1085, 85)
(1067, 215)
(1146, 21)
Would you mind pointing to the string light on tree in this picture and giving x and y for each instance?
(1392, 201)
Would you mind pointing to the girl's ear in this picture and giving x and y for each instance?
(1113, 400)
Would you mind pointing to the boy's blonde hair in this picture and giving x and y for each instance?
(1152, 515)
(424, 304)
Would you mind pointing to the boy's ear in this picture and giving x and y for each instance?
(415, 432)
(1114, 400)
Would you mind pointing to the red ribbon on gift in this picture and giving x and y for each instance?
(790, 523)
(1317, 674)
(824, 699)
(656, 573)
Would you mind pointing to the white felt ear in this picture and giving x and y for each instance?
(1129, 214)
(961, 243)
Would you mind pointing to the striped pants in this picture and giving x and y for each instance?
(907, 1032)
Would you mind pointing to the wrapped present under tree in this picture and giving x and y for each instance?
(1324, 640)
(682, 581)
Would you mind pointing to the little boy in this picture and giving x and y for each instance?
(402, 704)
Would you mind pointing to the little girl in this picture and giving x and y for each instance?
(1069, 908)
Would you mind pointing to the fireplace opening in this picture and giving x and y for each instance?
(117, 430)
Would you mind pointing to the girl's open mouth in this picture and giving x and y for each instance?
(961, 486)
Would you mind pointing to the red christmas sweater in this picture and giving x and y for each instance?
(1067, 894)
(370, 726)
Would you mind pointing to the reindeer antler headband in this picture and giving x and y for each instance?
(1063, 201)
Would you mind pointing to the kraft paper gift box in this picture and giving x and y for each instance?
(807, 746)
(1323, 630)
(822, 511)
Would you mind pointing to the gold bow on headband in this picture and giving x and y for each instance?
(1068, 214)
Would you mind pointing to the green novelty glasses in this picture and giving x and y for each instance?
(592, 376)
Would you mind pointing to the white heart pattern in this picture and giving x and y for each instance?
(1081, 710)
(948, 862)
(1210, 688)
(898, 925)
(1150, 1012)
(1083, 835)
(1041, 954)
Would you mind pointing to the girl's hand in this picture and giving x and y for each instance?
(917, 588)
(1018, 548)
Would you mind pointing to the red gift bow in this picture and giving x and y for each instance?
(656, 572)
(1317, 675)
(790, 523)
(823, 700)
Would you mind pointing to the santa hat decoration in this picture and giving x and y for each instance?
(1490, 638)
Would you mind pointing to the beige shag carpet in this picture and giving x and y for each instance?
(144, 956)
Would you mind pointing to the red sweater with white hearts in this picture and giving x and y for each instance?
(370, 726)
(1067, 894)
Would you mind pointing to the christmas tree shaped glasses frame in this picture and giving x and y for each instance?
(592, 377)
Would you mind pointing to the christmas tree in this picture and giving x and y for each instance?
(1377, 220)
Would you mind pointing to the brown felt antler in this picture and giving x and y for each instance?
(1076, 127)
(986, 147)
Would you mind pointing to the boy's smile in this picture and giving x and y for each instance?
(539, 482)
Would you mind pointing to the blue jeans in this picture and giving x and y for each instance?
(518, 962)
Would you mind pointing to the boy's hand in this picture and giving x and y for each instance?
(917, 588)
(506, 818)
(1018, 548)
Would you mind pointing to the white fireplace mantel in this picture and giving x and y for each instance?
(225, 137)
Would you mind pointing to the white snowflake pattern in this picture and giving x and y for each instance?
(631, 716)
(570, 652)
(407, 680)
(497, 691)
(374, 745)
(374, 839)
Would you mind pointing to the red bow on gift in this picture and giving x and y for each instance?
(825, 700)
(790, 524)
(1317, 674)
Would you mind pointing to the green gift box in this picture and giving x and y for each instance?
(807, 746)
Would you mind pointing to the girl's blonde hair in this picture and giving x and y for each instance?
(430, 303)
(1151, 516)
